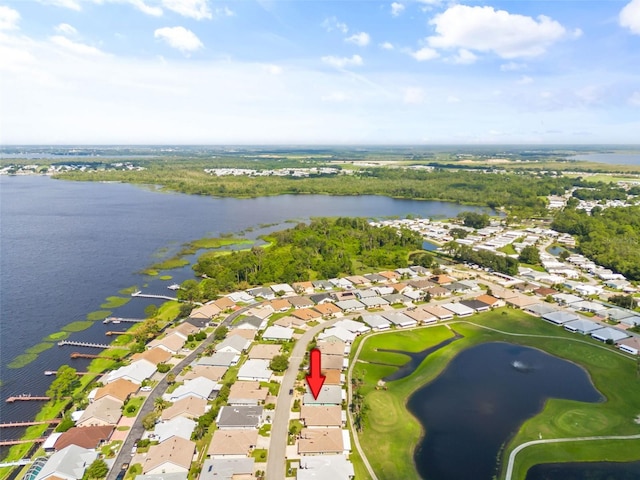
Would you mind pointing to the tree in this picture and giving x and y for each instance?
(624, 301)
(220, 333)
(279, 363)
(65, 424)
(149, 420)
(150, 311)
(189, 291)
(474, 220)
(65, 382)
(98, 469)
(529, 255)
(163, 367)
(564, 254)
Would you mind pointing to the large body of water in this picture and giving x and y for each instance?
(610, 158)
(481, 399)
(585, 471)
(66, 246)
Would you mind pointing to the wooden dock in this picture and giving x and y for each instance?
(26, 397)
(109, 333)
(149, 295)
(18, 442)
(84, 355)
(28, 424)
(83, 344)
(121, 320)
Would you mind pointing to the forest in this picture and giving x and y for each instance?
(483, 258)
(610, 237)
(325, 248)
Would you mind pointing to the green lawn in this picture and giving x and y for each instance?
(388, 418)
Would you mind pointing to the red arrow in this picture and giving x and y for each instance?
(315, 379)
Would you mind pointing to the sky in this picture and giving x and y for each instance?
(335, 72)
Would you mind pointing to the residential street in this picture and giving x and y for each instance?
(280, 422)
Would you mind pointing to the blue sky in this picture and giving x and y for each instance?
(319, 72)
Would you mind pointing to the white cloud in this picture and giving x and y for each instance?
(332, 23)
(425, 53)
(630, 16)
(75, 47)
(198, 9)
(524, 80)
(361, 39)
(634, 99)
(512, 67)
(386, 46)
(453, 99)
(273, 69)
(70, 4)
(485, 29)
(144, 8)
(224, 12)
(397, 8)
(413, 96)
(179, 38)
(66, 29)
(337, 97)
(464, 57)
(342, 62)
(8, 18)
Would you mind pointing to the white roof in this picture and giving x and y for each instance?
(560, 317)
(608, 333)
(329, 394)
(255, 368)
(236, 297)
(137, 372)
(352, 326)
(341, 333)
(399, 318)
(374, 301)
(198, 387)
(179, 427)
(234, 343)
(325, 467)
(582, 325)
(283, 287)
(458, 308)
(588, 306)
(276, 332)
(376, 321)
(566, 298)
(68, 463)
(350, 304)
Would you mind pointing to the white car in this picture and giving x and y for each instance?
(146, 389)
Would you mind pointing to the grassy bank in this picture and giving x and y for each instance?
(388, 417)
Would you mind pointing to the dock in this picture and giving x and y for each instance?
(109, 333)
(25, 397)
(28, 424)
(121, 320)
(149, 295)
(18, 442)
(55, 372)
(83, 344)
(83, 355)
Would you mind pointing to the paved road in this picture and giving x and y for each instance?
(280, 422)
(136, 431)
(516, 450)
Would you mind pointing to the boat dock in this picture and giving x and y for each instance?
(18, 442)
(55, 372)
(83, 344)
(25, 397)
(120, 320)
(110, 332)
(149, 295)
(28, 424)
(83, 355)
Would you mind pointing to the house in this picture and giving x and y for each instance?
(205, 312)
(264, 351)
(390, 276)
(421, 316)
(252, 323)
(476, 305)
(289, 322)
(228, 303)
(459, 309)
(376, 322)
(544, 291)
(256, 370)
(206, 371)
(322, 285)
(303, 287)
(247, 333)
(397, 299)
(457, 287)
(341, 283)
(247, 393)
(375, 278)
(185, 329)
(421, 284)
(358, 280)
(283, 289)
(278, 333)
(442, 279)
(374, 302)
(338, 348)
(566, 299)
(320, 298)
(227, 469)
(582, 325)
(437, 292)
(279, 305)
(264, 292)
(198, 387)
(234, 344)
(172, 456)
(413, 295)
(329, 395)
(119, 390)
(239, 417)
(420, 270)
(189, 407)
(490, 300)
(176, 427)
(69, 463)
(320, 441)
(220, 359)
(322, 416)
(300, 302)
(306, 314)
(172, 343)
(399, 319)
(232, 443)
(136, 372)
(560, 317)
(521, 301)
(352, 326)
(617, 314)
(586, 306)
(325, 467)
(539, 309)
(153, 355)
(262, 312)
(327, 309)
(630, 345)
(609, 334)
(333, 376)
(438, 312)
(105, 411)
(339, 333)
(350, 305)
(85, 437)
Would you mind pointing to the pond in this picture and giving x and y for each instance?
(480, 400)
(585, 471)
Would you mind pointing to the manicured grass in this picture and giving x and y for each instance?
(134, 402)
(388, 418)
(508, 249)
(115, 302)
(260, 454)
(168, 311)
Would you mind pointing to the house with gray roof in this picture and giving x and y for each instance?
(560, 317)
(350, 305)
(587, 306)
(633, 321)
(329, 395)
(459, 309)
(220, 359)
(136, 372)
(163, 476)
(582, 325)
(69, 463)
(352, 325)
(179, 426)
(199, 387)
(238, 417)
(227, 468)
(325, 467)
(376, 322)
(566, 298)
(609, 334)
(396, 298)
(617, 314)
(339, 333)
(234, 344)
(300, 302)
(320, 298)
(399, 319)
(375, 278)
(374, 302)
(476, 305)
(252, 322)
(263, 292)
(540, 309)
(322, 285)
(256, 370)
(276, 332)
(420, 270)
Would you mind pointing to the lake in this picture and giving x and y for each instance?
(609, 158)
(585, 471)
(480, 400)
(66, 246)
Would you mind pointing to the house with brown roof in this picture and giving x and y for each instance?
(247, 393)
(437, 292)
(332, 376)
(232, 443)
(331, 348)
(119, 390)
(290, 321)
(490, 300)
(300, 302)
(321, 416)
(421, 316)
(264, 351)
(206, 312)
(247, 333)
(442, 279)
(320, 441)
(185, 329)
(303, 287)
(211, 372)
(153, 355)
(279, 305)
(389, 275)
(106, 411)
(421, 284)
(399, 287)
(544, 291)
(172, 342)
(438, 311)
(224, 303)
(85, 437)
(306, 314)
(327, 309)
(521, 301)
(358, 280)
(171, 456)
(190, 407)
